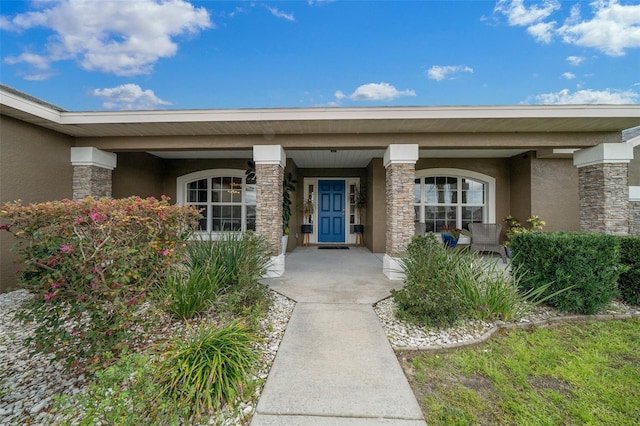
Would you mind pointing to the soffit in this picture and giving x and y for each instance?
(337, 158)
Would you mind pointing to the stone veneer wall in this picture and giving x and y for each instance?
(634, 217)
(269, 205)
(604, 198)
(91, 180)
(400, 211)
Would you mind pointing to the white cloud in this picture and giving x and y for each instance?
(568, 75)
(519, 15)
(129, 97)
(440, 72)
(39, 66)
(542, 31)
(588, 96)
(375, 92)
(123, 38)
(613, 28)
(575, 60)
(318, 2)
(280, 14)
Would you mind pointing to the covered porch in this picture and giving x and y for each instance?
(435, 165)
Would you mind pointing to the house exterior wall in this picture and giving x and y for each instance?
(375, 234)
(138, 173)
(634, 168)
(634, 219)
(34, 167)
(554, 193)
(520, 187)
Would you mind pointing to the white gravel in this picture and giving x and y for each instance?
(27, 385)
(403, 335)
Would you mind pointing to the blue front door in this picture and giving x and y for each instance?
(331, 204)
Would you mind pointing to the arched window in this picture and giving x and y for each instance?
(225, 197)
(453, 198)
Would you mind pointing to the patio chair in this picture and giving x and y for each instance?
(421, 229)
(485, 237)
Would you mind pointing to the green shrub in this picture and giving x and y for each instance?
(121, 394)
(629, 281)
(430, 295)
(208, 368)
(588, 262)
(91, 263)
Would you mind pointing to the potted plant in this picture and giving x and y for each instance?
(360, 201)
(288, 186)
(450, 236)
(308, 208)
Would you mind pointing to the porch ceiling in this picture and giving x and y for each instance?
(324, 121)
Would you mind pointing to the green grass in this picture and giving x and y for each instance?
(582, 373)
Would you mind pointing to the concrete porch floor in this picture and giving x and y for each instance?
(313, 275)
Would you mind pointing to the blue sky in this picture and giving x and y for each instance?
(86, 55)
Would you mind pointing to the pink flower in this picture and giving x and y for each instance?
(164, 252)
(66, 248)
(109, 332)
(56, 285)
(49, 296)
(75, 332)
(77, 221)
(98, 217)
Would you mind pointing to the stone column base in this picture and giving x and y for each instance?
(275, 268)
(392, 268)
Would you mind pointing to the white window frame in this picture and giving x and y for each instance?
(489, 212)
(181, 196)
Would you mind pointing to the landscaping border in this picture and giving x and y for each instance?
(520, 325)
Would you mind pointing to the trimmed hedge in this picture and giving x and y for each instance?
(629, 281)
(589, 262)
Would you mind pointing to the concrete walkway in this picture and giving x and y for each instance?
(335, 365)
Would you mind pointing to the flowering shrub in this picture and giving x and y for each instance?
(91, 263)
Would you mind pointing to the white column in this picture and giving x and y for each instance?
(603, 173)
(92, 172)
(399, 162)
(270, 161)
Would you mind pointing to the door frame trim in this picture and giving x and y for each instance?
(313, 238)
